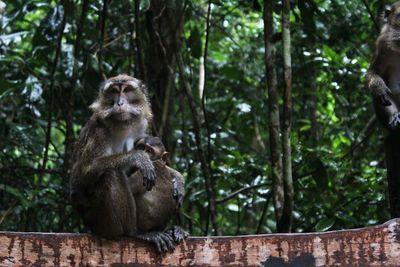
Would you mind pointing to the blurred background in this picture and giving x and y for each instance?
(204, 63)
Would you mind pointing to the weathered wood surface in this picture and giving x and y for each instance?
(373, 246)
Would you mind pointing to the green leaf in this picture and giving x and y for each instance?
(231, 72)
(16, 193)
(324, 224)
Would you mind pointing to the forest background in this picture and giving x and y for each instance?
(211, 81)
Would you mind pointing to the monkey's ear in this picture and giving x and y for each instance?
(165, 156)
(104, 85)
(143, 88)
(95, 106)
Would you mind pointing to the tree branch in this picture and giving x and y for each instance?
(51, 89)
(239, 191)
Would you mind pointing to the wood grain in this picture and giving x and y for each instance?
(372, 246)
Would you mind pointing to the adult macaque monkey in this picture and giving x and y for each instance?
(111, 201)
(384, 72)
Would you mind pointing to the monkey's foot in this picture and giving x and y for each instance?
(178, 234)
(394, 121)
(163, 241)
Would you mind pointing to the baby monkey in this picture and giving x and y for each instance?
(156, 150)
(156, 208)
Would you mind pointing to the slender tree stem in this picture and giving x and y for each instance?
(51, 90)
(287, 216)
(274, 121)
(70, 96)
(101, 38)
(202, 156)
(139, 48)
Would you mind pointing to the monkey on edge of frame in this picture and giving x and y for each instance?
(111, 202)
(383, 78)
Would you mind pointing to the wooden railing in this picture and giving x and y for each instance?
(372, 246)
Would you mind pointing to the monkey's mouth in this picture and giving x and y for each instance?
(122, 115)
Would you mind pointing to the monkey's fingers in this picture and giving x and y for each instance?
(168, 240)
(150, 179)
(384, 99)
(178, 234)
(160, 245)
(178, 197)
(394, 121)
(163, 242)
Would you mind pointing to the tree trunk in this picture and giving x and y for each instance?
(287, 217)
(274, 123)
(164, 24)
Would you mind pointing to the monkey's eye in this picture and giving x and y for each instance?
(112, 90)
(149, 150)
(128, 89)
(135, 101)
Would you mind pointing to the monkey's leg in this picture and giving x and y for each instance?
(163, 241)
(178, 234)
(111, 211)
(388, 115)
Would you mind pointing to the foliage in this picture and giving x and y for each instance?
(339, 182)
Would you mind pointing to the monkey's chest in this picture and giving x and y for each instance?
(123, 145)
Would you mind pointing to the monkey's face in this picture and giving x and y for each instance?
(122, 100)
(392, 13)
(154, 147)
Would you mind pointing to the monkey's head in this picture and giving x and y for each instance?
(392, 15)
(122, 100)
(154, 146)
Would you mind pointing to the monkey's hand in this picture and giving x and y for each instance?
(384, 99)
(146, 168)
(177, 194)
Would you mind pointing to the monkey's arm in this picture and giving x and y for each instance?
(92, 171)
(178, 184)
(375, 82)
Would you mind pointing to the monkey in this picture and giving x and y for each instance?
(165, 198)
(112, 184)
(383, 76)
(156, 149)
